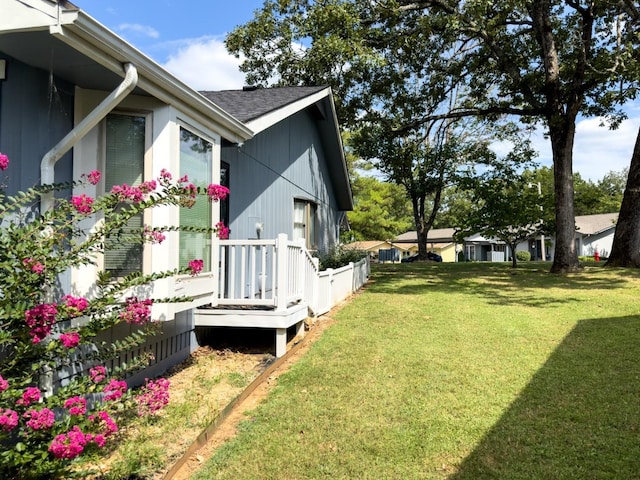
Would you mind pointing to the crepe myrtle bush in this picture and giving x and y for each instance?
(47, 423)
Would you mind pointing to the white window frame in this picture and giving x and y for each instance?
(214, 178)
(309, 223)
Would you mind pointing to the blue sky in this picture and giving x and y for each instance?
(186, 37)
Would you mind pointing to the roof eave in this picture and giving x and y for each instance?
(88, 36)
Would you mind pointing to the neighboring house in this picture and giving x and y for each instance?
(375, 246)
(439, 240)
(478, 248)
(594, 233)
(75, 97)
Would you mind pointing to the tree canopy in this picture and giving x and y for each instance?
(505, 206)
(381, 210)
(396, 62)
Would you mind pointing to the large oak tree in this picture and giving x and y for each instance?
(545, 61)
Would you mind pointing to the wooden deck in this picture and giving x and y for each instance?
(256, 317)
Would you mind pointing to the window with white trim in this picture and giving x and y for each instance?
(304, 222)
(196, 161)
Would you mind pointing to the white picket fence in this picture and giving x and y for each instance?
(278, 273)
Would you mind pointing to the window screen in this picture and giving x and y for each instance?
(124, 163)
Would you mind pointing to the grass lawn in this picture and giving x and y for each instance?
(462, 372)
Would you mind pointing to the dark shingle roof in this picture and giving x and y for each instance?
(249, 104)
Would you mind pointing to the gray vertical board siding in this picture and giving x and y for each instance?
(268, 172)
(36, 112)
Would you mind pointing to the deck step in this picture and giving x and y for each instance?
(253, 318)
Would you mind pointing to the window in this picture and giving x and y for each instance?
(304, 222)
(125, 144)
(196, 161)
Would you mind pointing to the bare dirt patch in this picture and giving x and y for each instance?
(226, 428)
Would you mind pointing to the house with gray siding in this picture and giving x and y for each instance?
(291, 176)
(75, 97)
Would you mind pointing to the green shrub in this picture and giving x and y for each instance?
(339, 257)
(523, 256)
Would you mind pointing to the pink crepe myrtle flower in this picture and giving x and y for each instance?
(40, 319)
(94, 177)
(29, 396)
(75, 305)
(8, 419)
(82, 203)
(154, 396)
(222, 230)
(76, 405)
(114, 389)
(96, 438)
(165, 177)
(97, 373)
(183, 179)
(148, 186)
(153, 236)
(4, 161)
(137, 312)
(196, 266)
(34, 265)
(190, 190)
(106, 424)
(39, 419)
(217, 192)
(3, 384)
(70, 339)
(68, 445)
(126, 193)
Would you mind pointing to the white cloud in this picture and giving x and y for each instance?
(138, 29)
(597, 150)
(205, 64)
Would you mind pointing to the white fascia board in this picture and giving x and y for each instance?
(97, 42)
(28, 15)
(268, 120)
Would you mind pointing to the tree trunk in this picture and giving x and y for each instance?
(625, 251)
(514, 260)
(421, 231)
(565, 257)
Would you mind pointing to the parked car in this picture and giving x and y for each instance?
(434, 257)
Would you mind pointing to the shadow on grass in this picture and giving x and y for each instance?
(498, 283)
(578, 418)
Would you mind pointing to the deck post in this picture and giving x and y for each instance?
(281, 342)
(300, 329)
(315, 299)
(282, 272)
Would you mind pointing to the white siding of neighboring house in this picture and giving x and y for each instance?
(588, 244)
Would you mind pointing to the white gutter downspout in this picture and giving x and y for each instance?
(74, 136)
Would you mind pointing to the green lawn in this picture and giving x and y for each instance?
(461, 372)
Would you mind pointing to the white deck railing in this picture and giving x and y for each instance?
(278, 273)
